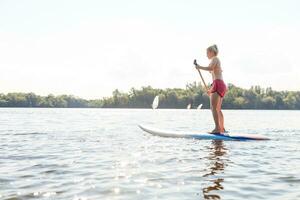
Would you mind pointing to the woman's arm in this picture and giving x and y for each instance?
(209, 68)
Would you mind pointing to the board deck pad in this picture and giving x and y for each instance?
(204, 136)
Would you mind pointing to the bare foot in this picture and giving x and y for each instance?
(215, 131)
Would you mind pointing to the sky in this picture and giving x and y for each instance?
(89, 48)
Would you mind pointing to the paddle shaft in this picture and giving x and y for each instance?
(203, 80)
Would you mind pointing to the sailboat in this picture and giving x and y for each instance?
(155, 102)
(200, 106)
(189, 106)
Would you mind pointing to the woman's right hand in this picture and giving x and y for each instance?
(208, 92)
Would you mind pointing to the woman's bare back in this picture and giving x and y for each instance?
(216, 68)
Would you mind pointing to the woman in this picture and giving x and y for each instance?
(218, 88)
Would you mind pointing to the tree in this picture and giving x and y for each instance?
(268, 102)
(236, 98)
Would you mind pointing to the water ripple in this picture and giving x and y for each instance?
(101, 154)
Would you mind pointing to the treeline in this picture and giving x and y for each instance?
(194, 94)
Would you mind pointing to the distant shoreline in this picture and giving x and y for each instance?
(255, 98)
(238, 109)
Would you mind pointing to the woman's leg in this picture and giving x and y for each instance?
(214, 103)
(221, 117)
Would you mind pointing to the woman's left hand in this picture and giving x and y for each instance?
(195, 62)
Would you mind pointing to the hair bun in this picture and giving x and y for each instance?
(213, 48)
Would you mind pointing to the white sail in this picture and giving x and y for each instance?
(189, 106)
(200, 106)
(155, 102)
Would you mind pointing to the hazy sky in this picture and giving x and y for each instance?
(89, 48)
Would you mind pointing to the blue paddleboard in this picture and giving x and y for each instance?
(204, 136)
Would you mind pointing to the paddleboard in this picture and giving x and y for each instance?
(204, 136)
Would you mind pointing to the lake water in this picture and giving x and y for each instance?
(102, 154)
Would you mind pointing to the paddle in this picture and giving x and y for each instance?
(195, 63)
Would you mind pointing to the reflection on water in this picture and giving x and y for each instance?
(102, 154)
(216, 165)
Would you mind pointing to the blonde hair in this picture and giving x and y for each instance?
(214, 49)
